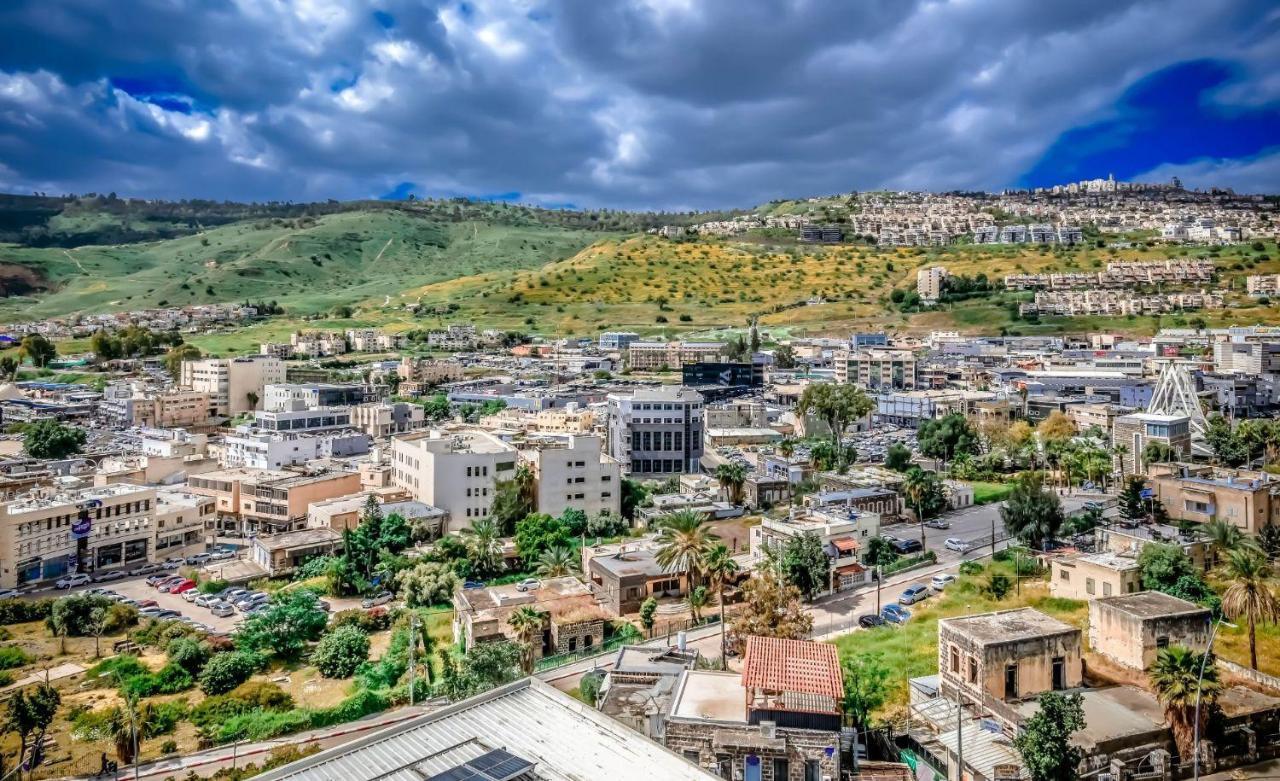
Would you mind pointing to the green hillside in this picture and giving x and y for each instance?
(307, 264)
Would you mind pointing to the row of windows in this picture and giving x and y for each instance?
(478, 512)
(478, 471)
(482, 491)
(657, 440)
(658, 466)
(654, 407)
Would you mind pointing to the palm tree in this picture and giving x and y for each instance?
(1225, 537)
(557, 562)
(731, 476)
(698, 599)
(1250, 596)
(527, 621)
(485, 546)
(683, 541)
(1175, 676)
(914, 489)
(719, 567)
(787, 447)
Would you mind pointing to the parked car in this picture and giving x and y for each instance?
(222, 609)
(178, 586)
(895, 614)
(203, 600)
(155, 580)
(167, 615)
(870, 621)
(903, 547)
(164, 583)
(173, 562)
(107, 577)
(957, 544)
(221, 555)
(380, 598)
(247, 600)
(473, 584)
(913, 594)
(196, 559)
(529, 584)
(941, 581)
(937, 523)
(191, 595)
(147, 603)
(158, 612)
(256, 607)
(145, 569)
(100, 592)
(71, 581)
(231, 594)
(10, 593)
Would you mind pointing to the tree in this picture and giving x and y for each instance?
(771, 608)
(634, 495)
(225, 671)
(514, 499)
(47, 438)
(998, 586)
(1228, 446)
(946, 437)
(1131, 501)
(805, 564)
(104, 346)
(484, 546)
(880, 554)
(924, 495)
(648, 609)
(1269, 539)
(1157, 453)
(1162, 565)
(784, 357)
(426, 584)
(29, 713)
(835, 405)
(1044, 742)
(898, 457)
(719, 567)
(176, 356)
(485, 666)
(292, 620)
(1057, 428)
(683, 541)
(39, 350)
(557, 562)
(78, 616)
(1224, 537)
(1032, 513)
(528, 624)
(866, 688)
(1249, 595)
(341, 651)
(731, 476)
(539, 533)
(697, 600)
(1175, 677)
(188, 653)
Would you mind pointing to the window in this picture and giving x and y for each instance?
(812, 770)
(1089, 586)
(1059, 673)
(1162, 641)
(973, 670)
(1011, 682)
(1106, 589)
(955, 660)
(1064, 575)
(780, 768)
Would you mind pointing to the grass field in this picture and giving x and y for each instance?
(986, 493)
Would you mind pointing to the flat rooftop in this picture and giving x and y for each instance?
(1111, 713)
(631, 563)
(1115, 561)
(1151, 604)
(1008, 626)
(710, 695)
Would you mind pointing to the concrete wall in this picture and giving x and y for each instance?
(1033, 657)
(1134, 642)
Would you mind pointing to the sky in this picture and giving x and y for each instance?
(633, 104)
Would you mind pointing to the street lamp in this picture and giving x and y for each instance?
(1195, 750)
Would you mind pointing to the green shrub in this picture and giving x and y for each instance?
(188, 653)
(18, 611)
(6, 678)
(169, 747)
(12, 656)
(368, 620)
(161, 718)
(340, 652)
(212, 586)
(112, 671)
(971, 568)
(248, 697)
(226, 671)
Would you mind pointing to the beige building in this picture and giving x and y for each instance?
(652, 356)
(380, 419)
(1246, 499)
(572, 619)
(1094, 575)
(886, 369)
(574, 472)
(1007, 656)
(929, 282)
(179, 408)
(569, 419)
(457, 471)
(234, 385)
(268, 500)
(1140, 429)
(1131, 629)
(429, 372)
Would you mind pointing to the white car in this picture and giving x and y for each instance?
(9, 593)
(71, 581)
(958, 545)
(529, 584)
(190, 595)
(941, 581)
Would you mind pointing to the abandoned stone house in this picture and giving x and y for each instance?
(573, 621)
(1130, 629)
(1008, 655)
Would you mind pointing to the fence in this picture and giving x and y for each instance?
(1254, 676)
(663, 628)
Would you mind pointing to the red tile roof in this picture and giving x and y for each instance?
(846, 544)
(792, 666)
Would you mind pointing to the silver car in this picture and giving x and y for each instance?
(222, 609)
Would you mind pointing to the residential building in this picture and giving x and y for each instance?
(372, 340)
(929, 283)
(1130, 629)
(233, 385)
(426, 372)
(317, 344)
(638, 687)
(572, 619)
(256, 448)
(382, 419)
(574, 472)
(877, 369)
(457, 471)
(268, 500)
(1092, 575)
(1007, 656)
(1248, 500)
(777, 720)
(1129, 539)
(1140, 429)
(672, 356)
(617, 341)
(656, 432)
(843, 533)
(624, 575)
(572, 742)
(280, 555)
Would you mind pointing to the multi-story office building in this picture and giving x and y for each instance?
(234, 385)
(878, 369)
(574, 472)
(259, 449)
(617, 340)
(381, 419)
(45, 534)
(311, 395)
(1140, 429)
(929, 282)
(268, 500)
(656, 432)
(651, 356)
(457, 471)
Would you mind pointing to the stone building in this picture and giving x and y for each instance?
(1130, 629)
(1007, 656)
(1094, 575)
(779, 720)
(572, 619)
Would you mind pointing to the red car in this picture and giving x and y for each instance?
(180, 586)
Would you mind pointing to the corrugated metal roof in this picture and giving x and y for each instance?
(566, 739)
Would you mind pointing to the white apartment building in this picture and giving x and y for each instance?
(371, 340)
(929, 283)
(265, 449)
(573, 471)
(380, 419)
(886, 369)
(456, 471)
(234, 385)
(1263, 284)
(48, 533)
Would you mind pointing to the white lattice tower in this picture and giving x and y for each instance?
(1175, 394)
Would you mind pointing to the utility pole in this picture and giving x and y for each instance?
(413, 620)
(959, 735)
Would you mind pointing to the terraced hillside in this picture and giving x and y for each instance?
(654, 286)
(307, 264)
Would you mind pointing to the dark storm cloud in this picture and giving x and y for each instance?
(653, 103)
